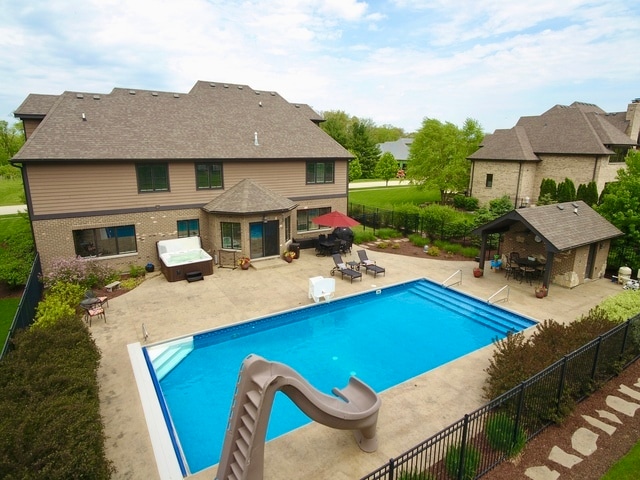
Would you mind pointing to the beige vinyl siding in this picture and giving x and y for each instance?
(30, 125)
(76, 188)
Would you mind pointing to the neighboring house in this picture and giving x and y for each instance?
(570, 239)
(108, 175)
(399, 149)
(580, 142)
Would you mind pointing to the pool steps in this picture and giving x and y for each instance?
(165, 357)
(488, 315)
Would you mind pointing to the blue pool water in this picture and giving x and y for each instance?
(384, 337)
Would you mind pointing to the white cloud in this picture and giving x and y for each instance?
(394, 62)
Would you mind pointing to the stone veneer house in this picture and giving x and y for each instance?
(108, 175)
(580, 142)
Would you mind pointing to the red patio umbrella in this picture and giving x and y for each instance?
(335, 219)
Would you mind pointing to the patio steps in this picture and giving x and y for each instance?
(489, 315)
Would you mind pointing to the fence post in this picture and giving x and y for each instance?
(624, 338)
(563, 372)
(463, 446)
(520, 403)
(596, 356)
(392, 468)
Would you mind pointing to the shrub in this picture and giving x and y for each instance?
(503, 435)
(136, 271)
(363, 236)
(416, 475)
(50, 423)
(418, 240)
(433, 251)
(462, 202)
(470, 252)
(387, 233)
(60, 301)
(471, 462)
(622, 306)
(383, 245)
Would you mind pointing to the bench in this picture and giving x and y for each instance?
(112, 286)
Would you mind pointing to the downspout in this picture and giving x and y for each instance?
(470, 189)
(27, 196)
(515, 203)
(595, 168)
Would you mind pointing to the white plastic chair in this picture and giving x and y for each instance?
(321, 288)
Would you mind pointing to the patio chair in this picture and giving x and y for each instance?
(341, 266)
(102, 301)
(369, 265)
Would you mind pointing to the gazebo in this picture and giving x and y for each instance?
(570, 238)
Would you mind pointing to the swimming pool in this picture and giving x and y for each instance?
(384, 337)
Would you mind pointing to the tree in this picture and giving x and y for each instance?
(620, 204)
(386, 133)
(355, 171)
(337, 124)
(591, 194)
(365, 149)
(387, 167)
(438, 155)
(566, 191)
(548, 191)
(11, 140)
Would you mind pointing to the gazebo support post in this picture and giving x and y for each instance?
(483, 250)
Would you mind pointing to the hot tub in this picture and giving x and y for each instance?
(182, 256)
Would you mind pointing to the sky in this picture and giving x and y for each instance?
(394, 62)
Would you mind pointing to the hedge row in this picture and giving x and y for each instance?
(50, 423)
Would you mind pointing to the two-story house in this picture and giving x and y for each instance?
(580, 142)
(106, 176)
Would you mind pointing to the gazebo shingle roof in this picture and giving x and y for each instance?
(563, 226)
(249, 197)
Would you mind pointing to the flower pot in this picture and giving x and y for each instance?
(477, 272)
(149, 267)
(541, 292)
(245, 265)
(288, 259)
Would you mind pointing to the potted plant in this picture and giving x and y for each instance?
(288, 256)
(244, 262)
(541, 291)
(496, 263)
(478, 272)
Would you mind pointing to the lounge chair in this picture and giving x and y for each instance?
(342, 267)
(321, 288)
(369, 265)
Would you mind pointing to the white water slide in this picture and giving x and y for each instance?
(354, 407)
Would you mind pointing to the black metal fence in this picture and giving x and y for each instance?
(623, 256)
(437, 226)
(480, 441)
(27, 307)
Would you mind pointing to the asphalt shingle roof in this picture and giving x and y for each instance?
(577, 129)
(212, 121)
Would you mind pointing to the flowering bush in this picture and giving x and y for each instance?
(243, 261)
(88, 273)
(289, 254)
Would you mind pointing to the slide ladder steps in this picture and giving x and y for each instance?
(248, 411)
(485, 314)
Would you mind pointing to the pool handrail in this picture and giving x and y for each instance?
(506, 299)
(444, 284)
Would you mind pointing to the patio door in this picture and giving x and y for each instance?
(265, 239)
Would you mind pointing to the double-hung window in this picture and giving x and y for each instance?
(152, 177)
(208, 175)
(320, 172)
(489, 180)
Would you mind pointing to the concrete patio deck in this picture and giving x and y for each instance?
(410, 413)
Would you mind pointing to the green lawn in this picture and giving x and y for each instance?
(8, 307)
(386, 197)
(12, 225)
(627, 467)
(11, 192)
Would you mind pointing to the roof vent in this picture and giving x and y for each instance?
(560, 207)
(255, 139)
(96, 97)
(154, 94)
(175, 95)
(259, 104)
(240, 87)
(226, 86)
(273, 94)
(79, 95)
(257, 93)
(84, 117)
(132, 92)
(212, 84)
